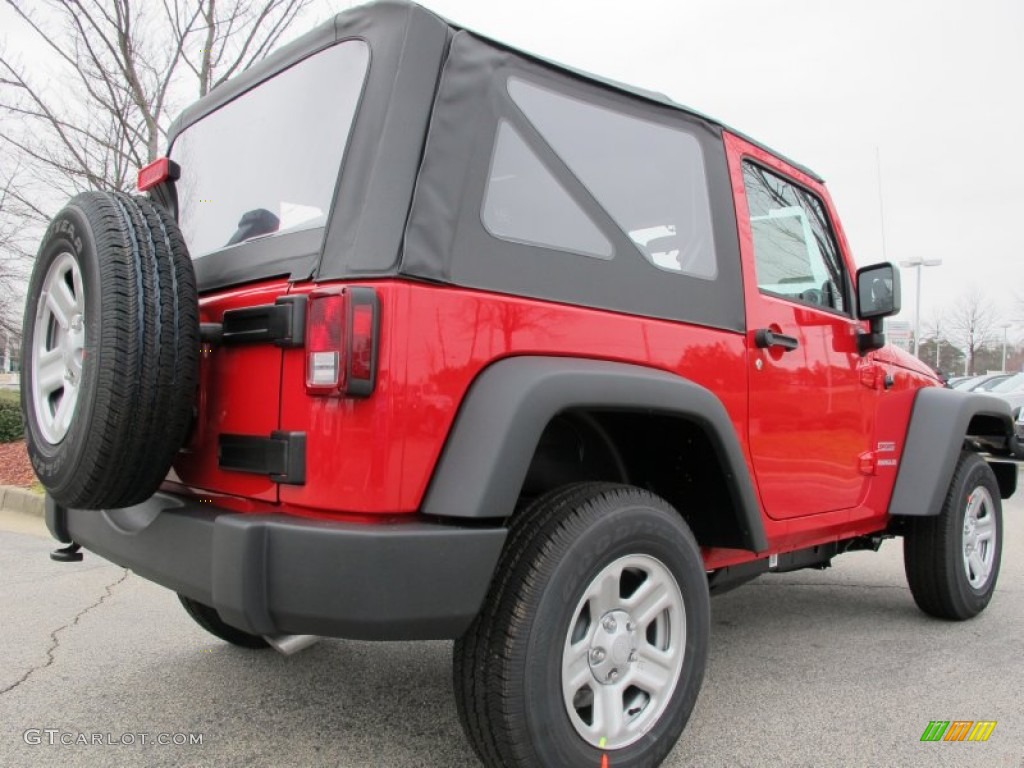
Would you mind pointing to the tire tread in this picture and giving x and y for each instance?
(146, 349)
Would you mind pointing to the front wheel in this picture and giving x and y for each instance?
(1016, 449)
(952, 559)
(593, 639)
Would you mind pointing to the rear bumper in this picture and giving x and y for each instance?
(273, 574)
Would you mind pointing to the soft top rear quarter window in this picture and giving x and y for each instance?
(526, 203)
(268, 161)
(648, 176)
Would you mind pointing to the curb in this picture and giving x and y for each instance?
(14, 499)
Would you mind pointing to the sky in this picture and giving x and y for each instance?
(909, 109)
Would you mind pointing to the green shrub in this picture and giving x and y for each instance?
(11, 428)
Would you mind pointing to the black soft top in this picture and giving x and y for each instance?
(398, 17)
(407, 200)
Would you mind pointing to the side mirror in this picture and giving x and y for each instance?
(878, 291)
(878, 297)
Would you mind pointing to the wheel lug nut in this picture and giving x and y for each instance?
(630, 626)
(597, 655)
(609, 624)
(613, 676)
(632, 655)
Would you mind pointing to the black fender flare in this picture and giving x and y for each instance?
(939, 422)
(507, 407)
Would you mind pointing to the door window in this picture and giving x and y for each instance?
(795, 254)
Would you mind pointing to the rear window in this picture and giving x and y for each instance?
(268, 161)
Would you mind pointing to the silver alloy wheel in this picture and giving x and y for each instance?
(979, 542)
(58, 343)
(624, 651)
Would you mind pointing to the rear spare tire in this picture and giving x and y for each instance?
(110, 351)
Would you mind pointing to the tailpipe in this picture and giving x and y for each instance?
(290, 644)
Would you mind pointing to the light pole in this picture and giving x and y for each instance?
(918, 263)
(1005, 326)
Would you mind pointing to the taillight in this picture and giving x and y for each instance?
(160, 170)
(341, 341)
(360, 359)
(325, 333)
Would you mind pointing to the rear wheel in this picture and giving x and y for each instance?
(593, 638)
(208, 618)
(952, 559)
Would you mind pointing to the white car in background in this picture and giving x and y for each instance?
(990, 382)
(985, 382)
(1012, 391)
(1018, 435)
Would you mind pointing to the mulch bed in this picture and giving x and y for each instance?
(15, 468)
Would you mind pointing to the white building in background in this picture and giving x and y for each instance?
(10, 349)
(899, 334)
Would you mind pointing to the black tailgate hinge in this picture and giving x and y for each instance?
(283, 322)
(282, 456)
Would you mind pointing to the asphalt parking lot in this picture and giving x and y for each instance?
(814, 668)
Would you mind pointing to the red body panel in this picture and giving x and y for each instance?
(825, 432)
(811, 414)
(820, 429)
(239, 392)
(377, 455)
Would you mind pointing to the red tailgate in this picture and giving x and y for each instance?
(239, 394)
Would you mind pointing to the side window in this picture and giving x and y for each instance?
(648, 177)
(795, 254)
(525, 203)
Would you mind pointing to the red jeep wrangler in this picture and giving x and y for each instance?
(419, 336)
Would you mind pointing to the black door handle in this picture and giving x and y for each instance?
(764, 338)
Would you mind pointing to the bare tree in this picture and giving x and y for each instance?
(15, 257)
(971, 324)
(937, 349)
(117, 71)
(118, 65)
